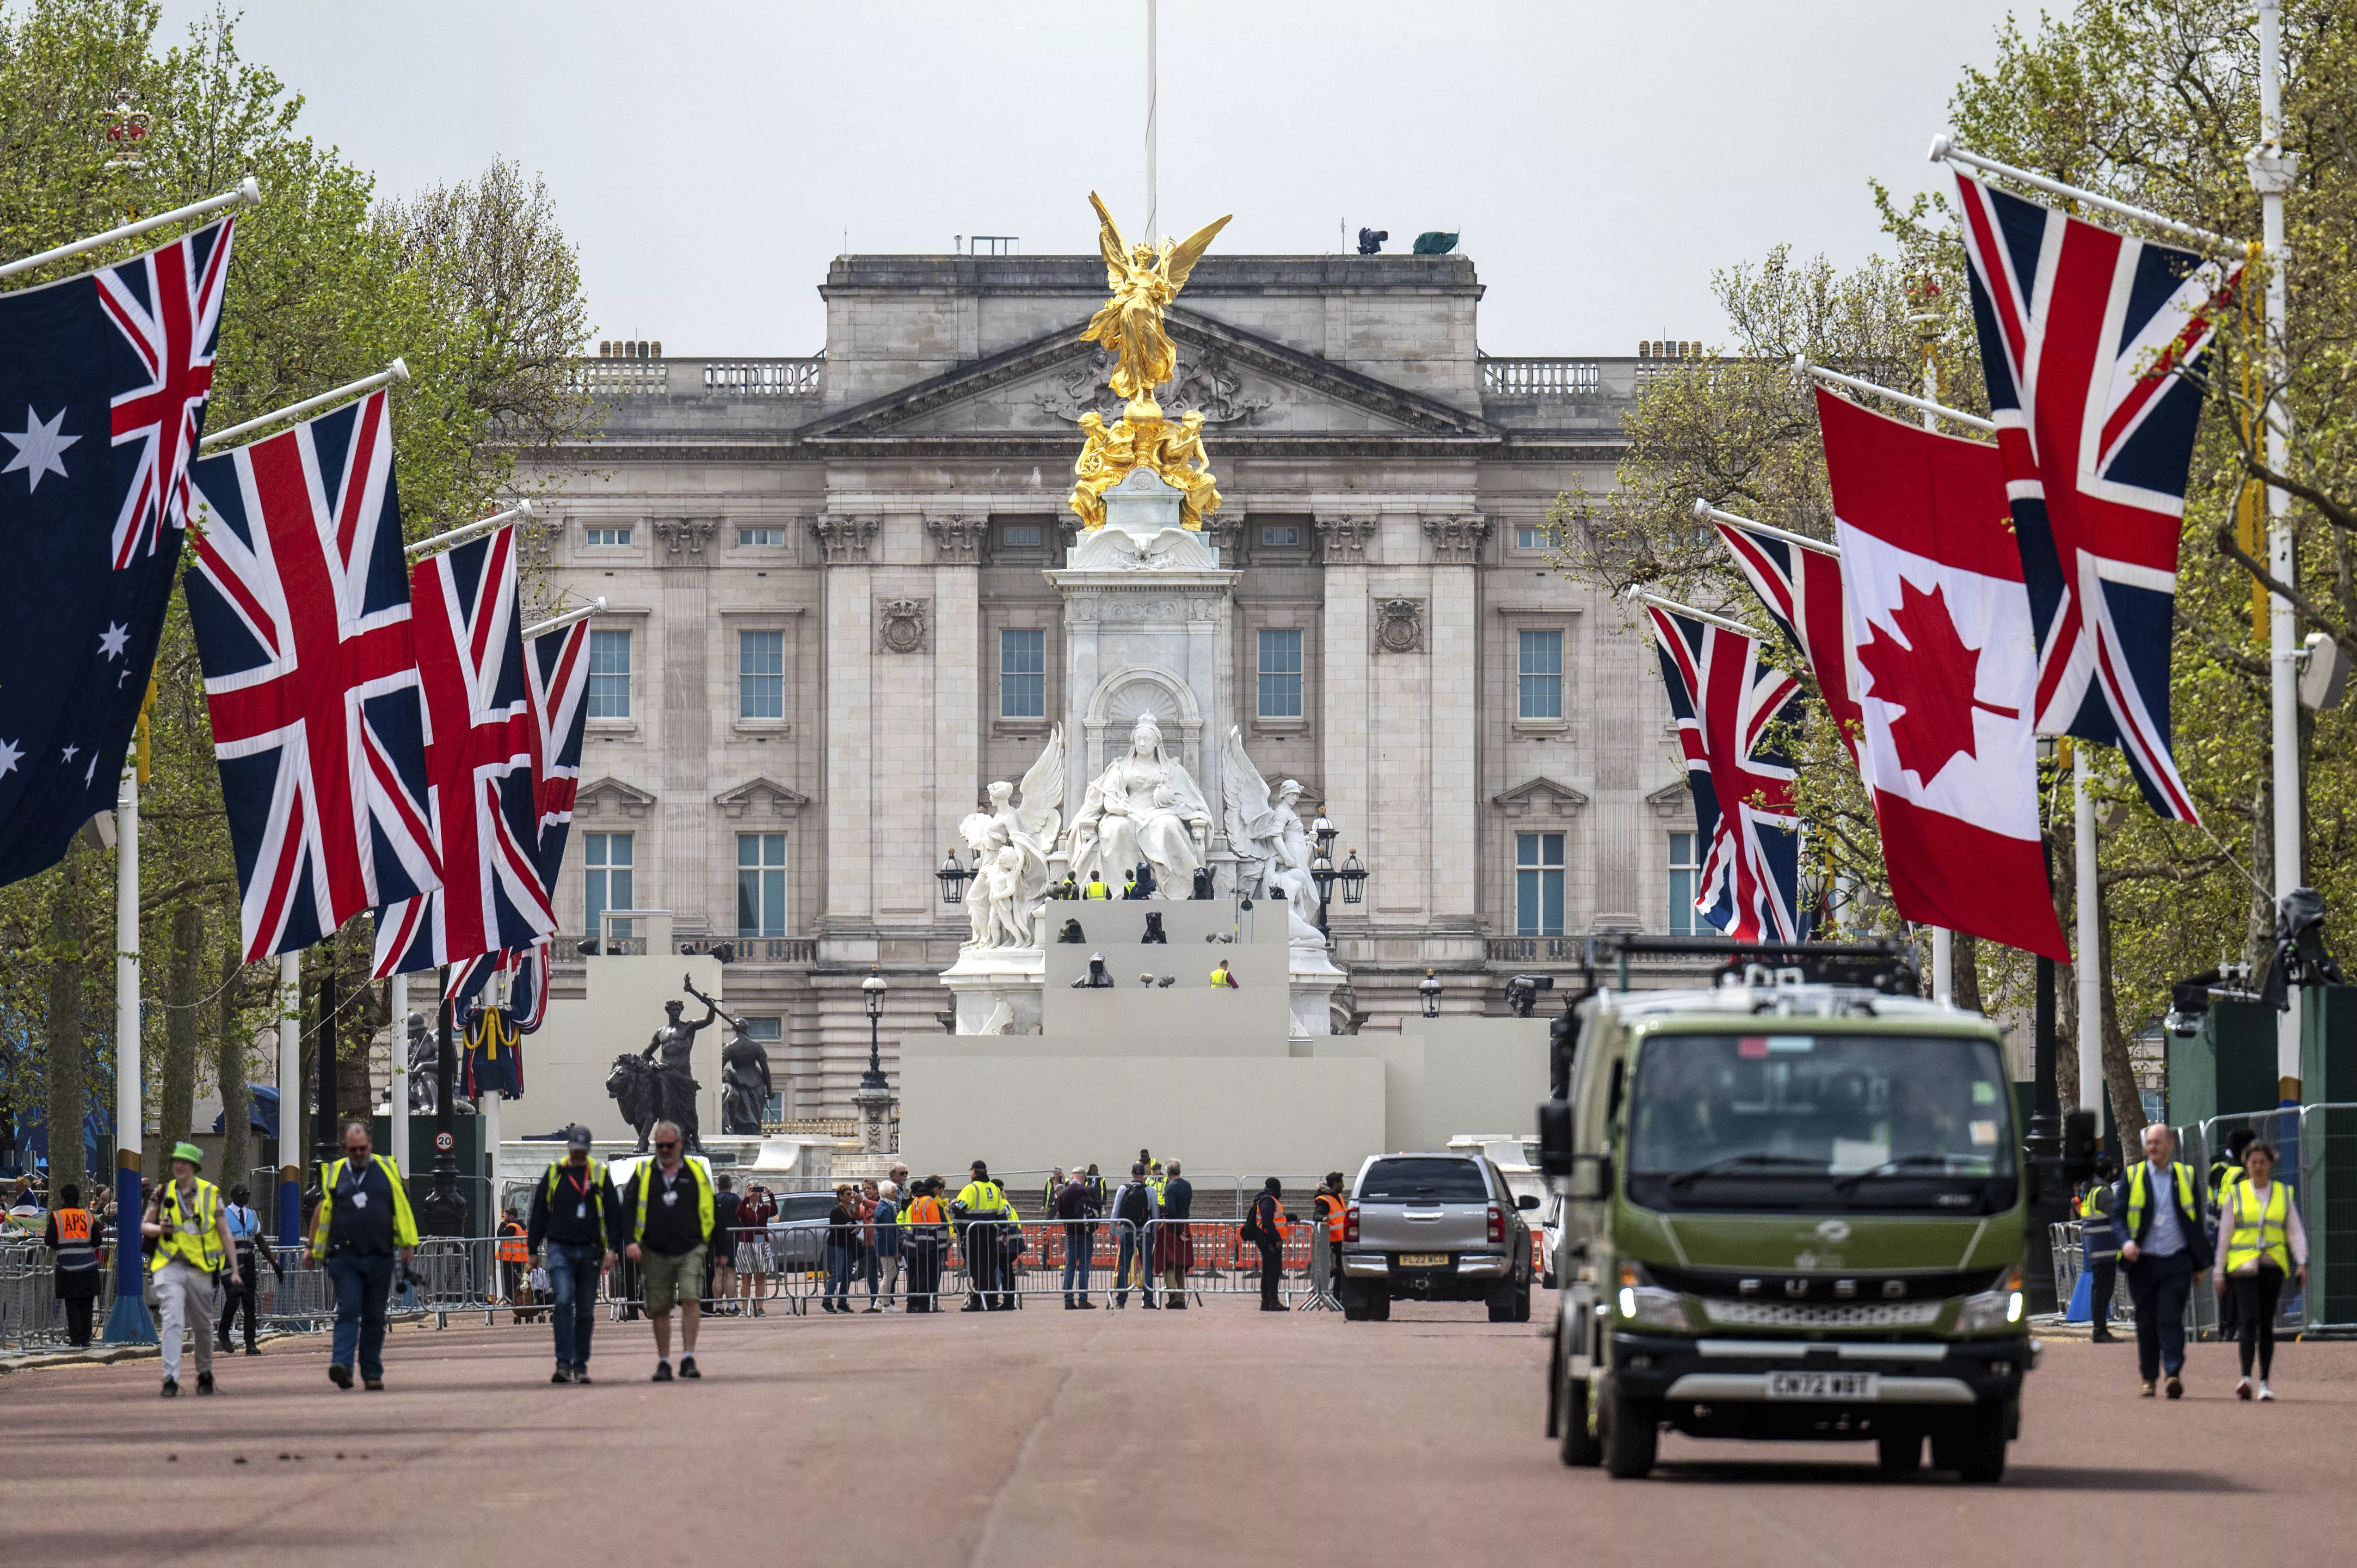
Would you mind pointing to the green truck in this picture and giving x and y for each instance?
(1797, 1209)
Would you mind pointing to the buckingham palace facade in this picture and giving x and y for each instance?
(827, 627)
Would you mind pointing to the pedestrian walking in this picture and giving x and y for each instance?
(982, 1209)
(74, 1254)
(671, 1226)
(2261, 1242)
(753, 1217)
(925, 1238)
(1174, 1239)
(1133, 1212)
(727, 1215)
(574, 1219)
(1071, 1205)
(842, 1240)
(2099, 1245)
(870, 1261)
(192, 1245)
(2161, 1247)
(1267, 1228)
(245, 1240)
(363, 1222)
(886, 1225)
(2225, 1171)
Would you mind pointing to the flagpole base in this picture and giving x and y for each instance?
(130, 1323)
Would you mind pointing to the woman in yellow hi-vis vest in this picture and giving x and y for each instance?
(192, 1245)
(2260, 1242)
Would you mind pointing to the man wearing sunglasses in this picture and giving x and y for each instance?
(671, 1210)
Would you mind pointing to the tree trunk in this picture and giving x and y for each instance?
(237, 1105)
(2119, 1073)
(355, 1091)
(1966, 956)
(177, 1093)
(68, 939)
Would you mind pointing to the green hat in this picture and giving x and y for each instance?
(190, 1152)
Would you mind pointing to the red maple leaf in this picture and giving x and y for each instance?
(1928, 681)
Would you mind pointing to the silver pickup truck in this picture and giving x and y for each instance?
(1435, 1228)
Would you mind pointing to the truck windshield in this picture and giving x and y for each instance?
(1424, 1181)
(1818, 1121)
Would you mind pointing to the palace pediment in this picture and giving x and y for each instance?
(1253, 394)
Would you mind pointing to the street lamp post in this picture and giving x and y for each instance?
(1428, 991)
(874, 1095)
(954, 876)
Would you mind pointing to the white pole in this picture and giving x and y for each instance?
(247, 194)
(398, 1110)
(1943, 149)
(458, 536)
(397, 371)
(2270, 176)
(290, 1098)
(1152, 89)
(1835, 379)
(130, 1130)
(491, 1155)
(2089, 969)
(558, 623)
(1943, 941)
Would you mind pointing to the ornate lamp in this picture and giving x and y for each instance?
(871, 991)
(1428, 991)
(1354, 876)
(1325, 832)
(954, 876)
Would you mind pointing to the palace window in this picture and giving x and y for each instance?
(1685, 869)
(761, 885)
(761, 675)
(1280, 672)
(607, 536)
(1025, 536)
(605, 879)
(1537, 536)
(1538, 884)
(1288, 535)
(610, 675)
(1540, 668)
(1022, 673)
(766, 536)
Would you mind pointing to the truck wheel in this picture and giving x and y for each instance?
(1975, 1447)
(1899, 1454)
(1631, 1436)
(1523, 1303)
(1354, 1301)
(1501, 1302)
(1579, 1446)
(1379, 1301)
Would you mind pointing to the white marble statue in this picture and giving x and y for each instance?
(1144, 807)
(1011, 843)
(1272, 847)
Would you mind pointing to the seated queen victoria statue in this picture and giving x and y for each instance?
(1144, 807)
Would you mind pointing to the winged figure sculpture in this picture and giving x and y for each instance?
(1011, 843)
(1143, 280)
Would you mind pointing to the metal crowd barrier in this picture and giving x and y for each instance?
(2069, 1260)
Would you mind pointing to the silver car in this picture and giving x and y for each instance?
(1437, 1227)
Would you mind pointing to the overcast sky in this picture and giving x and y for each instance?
(709, 156)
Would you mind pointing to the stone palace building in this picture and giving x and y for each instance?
(827, 631)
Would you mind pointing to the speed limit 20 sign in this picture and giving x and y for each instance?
(445, 1142)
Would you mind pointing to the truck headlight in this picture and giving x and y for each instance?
(1999, 1308)
(1648, 1306)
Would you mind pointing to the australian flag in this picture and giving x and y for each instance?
(103, 377)
(1729, 704)
(2084, 337)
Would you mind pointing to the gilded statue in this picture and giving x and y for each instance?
(1144, 281)
(1143, 439)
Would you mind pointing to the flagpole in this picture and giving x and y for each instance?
(2089, 970)
(397, 371)
(1921, 405)
(247, 194)
(1945, 151)
(397, 1109)
(458, 536)
(570, 616)
(127, 1322)
(2271, 175)
(1153, 91)
(290, 1098)
(1704, 510)
(1943, 941)
(1642, 598)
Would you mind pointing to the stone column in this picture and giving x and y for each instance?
(1453, 633)
(1348, 543)
(846, 930)
(682, 722)
(959, 662)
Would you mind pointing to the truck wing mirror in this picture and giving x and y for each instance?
(1554, 1138)
(1591, 1176)
(2079, 1145)
(1528, 1200)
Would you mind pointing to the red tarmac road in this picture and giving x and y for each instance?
(1048, 1437)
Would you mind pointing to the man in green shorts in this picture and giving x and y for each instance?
(670, 1210)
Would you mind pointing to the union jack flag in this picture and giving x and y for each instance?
(2085, 334)
(527, 988)
(301, 613)
(478, 751)
(1727, 703)
(167, 304)
(1801, 588)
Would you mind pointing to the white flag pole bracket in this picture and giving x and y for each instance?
(1920, 404)
(247, 194)
(570, 617)
(397, 371)
(458, 536)
(1639, 596)
(1944, 150)
(1703, 508)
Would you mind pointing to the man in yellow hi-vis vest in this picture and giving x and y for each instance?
(2161, 1247)
(364, 1224)
(671, 1215)
(192, 1244)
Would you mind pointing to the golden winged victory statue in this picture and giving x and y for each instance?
(1144, 279)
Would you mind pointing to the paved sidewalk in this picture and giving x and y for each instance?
(1045, 1437)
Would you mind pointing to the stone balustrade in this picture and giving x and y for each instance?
(727, 379)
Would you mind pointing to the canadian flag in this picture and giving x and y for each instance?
(1947, 669)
